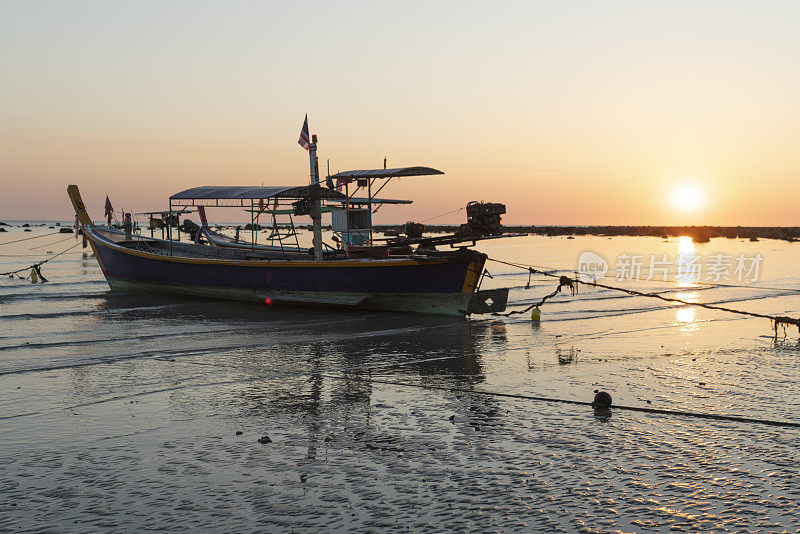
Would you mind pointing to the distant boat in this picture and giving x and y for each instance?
(355, 273)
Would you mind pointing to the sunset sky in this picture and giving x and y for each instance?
(568, 112)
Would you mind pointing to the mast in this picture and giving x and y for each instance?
(316, 208)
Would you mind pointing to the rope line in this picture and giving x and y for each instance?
(23, 255)
(53, 243)
(37, 265)
(658, 411)
(573, 282)
(442, 215)
(562, 282)
(698, 282)
(29, 238)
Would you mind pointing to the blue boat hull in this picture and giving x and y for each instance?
(441, 286)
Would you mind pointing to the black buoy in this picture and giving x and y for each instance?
(602, 400)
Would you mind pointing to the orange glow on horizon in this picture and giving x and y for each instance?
(591, 122)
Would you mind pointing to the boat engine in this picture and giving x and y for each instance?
(483, 222)
(483, 218)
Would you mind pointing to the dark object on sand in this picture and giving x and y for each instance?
(239, 432)
(602, 400)
(190, 227)
(413, 230)
(264, 440)
(66, 231)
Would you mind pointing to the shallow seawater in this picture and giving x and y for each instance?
(121, 412)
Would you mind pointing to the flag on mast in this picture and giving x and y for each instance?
(109, 210)
(304, 137)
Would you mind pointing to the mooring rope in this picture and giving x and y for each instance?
(51, 244)
(29, 238)
(36, 266)
(653, 280)
(562, 282)
(658, 411)
(572, 283)
(441, 215)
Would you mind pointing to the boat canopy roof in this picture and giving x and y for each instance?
(388, 173)
(364, 200)
(186, 209)
(224, 192)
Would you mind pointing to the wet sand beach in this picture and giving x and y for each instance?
(131, 412)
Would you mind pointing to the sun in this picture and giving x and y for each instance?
(688, 197)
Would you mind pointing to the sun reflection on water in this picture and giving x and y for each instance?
(686, 316)
(688, 266)
(687, 277)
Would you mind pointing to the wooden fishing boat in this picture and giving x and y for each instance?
(368, 275)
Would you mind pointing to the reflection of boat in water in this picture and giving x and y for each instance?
(356, 272)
